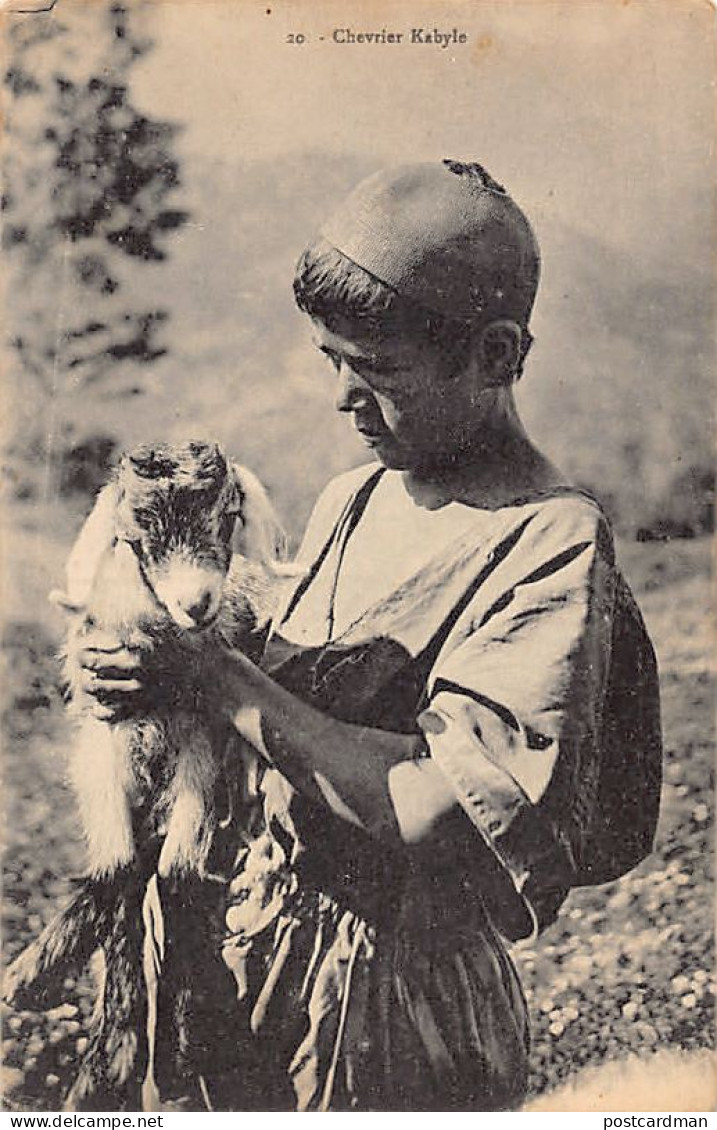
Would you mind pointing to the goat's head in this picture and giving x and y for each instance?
(183, 511)
(177, 508)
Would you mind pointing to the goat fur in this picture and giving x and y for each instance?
(180, 553)
(668, 1079)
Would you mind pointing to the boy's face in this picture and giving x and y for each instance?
(408, 404)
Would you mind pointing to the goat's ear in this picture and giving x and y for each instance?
(61, 600)
(258, 533)
(93, 540)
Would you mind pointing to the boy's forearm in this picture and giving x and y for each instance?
(369, 777)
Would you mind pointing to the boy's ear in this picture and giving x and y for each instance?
(499, 347)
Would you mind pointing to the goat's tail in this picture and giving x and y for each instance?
(35, 979)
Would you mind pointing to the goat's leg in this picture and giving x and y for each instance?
(198, 1019)
(103, 780)
(101, 773)
(112, 1069)
(190, 828)
(190, 803)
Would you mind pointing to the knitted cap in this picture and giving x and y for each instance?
(443, 234)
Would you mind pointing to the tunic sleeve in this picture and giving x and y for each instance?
(517, 693)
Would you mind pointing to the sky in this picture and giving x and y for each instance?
(598, 111)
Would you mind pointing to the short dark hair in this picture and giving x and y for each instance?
(330, 287)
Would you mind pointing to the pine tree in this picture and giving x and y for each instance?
(88, 187)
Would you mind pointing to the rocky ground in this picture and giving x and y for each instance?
(628, 967)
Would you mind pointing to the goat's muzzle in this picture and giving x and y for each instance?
(190, 592)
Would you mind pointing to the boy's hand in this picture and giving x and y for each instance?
(116, 680)
(123, 682)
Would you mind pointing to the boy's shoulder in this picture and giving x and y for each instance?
(345, 485)
(341, 489)
(332, 501)
(562, 517)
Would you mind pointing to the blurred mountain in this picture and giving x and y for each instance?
(621, 385)
(618, 389)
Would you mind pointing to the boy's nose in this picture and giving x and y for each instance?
(353, 391)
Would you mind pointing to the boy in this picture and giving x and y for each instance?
(446, 697)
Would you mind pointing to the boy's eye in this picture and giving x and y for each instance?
(362, 367)
(377, 372)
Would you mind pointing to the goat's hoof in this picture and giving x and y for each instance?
(109, 1076)
(122, 1058)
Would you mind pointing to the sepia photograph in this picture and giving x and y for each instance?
(358, 385)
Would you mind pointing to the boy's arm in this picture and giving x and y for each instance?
(517, 696)
(377, 780)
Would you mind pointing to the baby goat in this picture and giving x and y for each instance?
(179, 553)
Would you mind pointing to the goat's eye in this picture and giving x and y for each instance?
(135, 545)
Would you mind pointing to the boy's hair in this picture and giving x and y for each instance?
(328, 286)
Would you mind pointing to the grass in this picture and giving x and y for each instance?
(628, 967)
